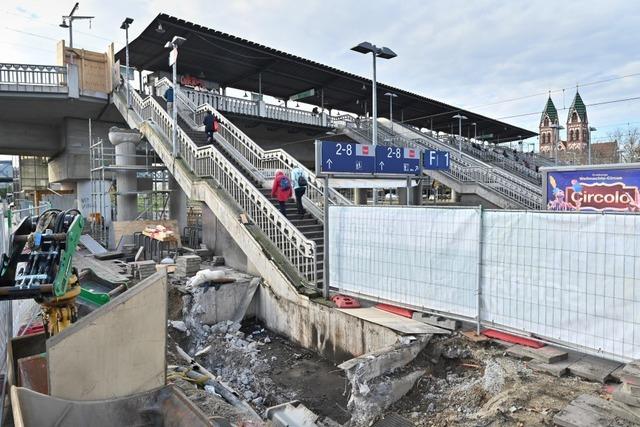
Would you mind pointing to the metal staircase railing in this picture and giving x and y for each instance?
(253, 156)
(464, 168)
(208, 162)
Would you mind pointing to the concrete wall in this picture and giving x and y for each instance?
(117, 350)
(218, 239)
(29, 139)
(72, 164)
(335, 335)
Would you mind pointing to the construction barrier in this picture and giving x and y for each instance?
(566, 277)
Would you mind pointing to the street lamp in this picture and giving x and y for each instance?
(391, 96)
(173, 59)
(460, 119)
(591, 129)
(125, 27)
(385, 53)
(382, 52)
(67, 22)
(475, 131)
(556, 143)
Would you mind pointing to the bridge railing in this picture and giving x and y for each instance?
(32, 78)
(265, 161)
(208, 162)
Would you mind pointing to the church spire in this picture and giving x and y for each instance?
(550, 112)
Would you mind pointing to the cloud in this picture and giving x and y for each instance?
(464, 53)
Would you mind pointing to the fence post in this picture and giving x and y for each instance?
(479, 273)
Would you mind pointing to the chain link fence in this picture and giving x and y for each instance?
(568, 278)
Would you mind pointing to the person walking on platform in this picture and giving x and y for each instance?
(168, 95)
(299, 179)
(281, 190)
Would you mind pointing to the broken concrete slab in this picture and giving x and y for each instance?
(592, 411)
(116, 350)
(371, 365)
(439, 321)
(368, 401)
(559, 368)
(393, 321)
(546, 354)
(594, 368)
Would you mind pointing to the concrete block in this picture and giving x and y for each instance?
(439, 321)
(558, 368)
(374, 364)
(546, 354)
(594, 368)
(117, 350)
(624, 395)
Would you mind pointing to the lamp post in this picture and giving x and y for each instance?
(385, 53)
(391, 96)
(591, 129)
(460, 119)
(173, 61)
(125, 27)
(67, 22)
(556, 143)
(475, 131)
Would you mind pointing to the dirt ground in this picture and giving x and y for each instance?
(470, 384)
(465, 384)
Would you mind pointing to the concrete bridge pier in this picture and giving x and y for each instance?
(125, 141)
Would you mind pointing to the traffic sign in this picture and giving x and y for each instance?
(347, 157)
(397, 160)
(436, 160)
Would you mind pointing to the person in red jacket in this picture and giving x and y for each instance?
(281, 190)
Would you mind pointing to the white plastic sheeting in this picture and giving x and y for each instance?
(413, 256)
(572, 278)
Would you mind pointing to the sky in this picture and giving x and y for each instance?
(497, 58)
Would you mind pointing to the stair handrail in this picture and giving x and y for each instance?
(267, 161)
(208, 162)
(464, 168)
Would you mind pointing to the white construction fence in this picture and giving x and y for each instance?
(568, 278)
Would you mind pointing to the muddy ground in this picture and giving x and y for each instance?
(465, 384)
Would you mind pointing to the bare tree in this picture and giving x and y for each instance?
(629, 142)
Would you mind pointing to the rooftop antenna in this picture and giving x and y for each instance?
(67, 21)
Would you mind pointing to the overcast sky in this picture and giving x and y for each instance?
(473, 54)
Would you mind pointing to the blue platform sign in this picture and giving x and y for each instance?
(436, 160)
(397, 160)
(346, 157)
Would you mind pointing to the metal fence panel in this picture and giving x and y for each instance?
(571, 278)
(566, 277)
(413, 256)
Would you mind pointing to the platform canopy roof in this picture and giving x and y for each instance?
(236, 62)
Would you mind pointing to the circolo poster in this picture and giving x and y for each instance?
(594, 190)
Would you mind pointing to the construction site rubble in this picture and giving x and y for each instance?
(187, 265)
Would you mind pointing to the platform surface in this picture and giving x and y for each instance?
(399, 324)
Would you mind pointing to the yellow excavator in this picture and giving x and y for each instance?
(37, 265)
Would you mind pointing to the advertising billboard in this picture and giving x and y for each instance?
(594, 189)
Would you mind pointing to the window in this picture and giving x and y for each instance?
(546, 121)
(574, 117)
(577, 134)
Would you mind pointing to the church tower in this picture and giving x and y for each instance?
(548, 134)
(577, 126)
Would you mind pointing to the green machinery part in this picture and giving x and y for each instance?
(73, 236)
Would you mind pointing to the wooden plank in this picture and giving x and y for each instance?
(576, 416)
(127, 228)
(515, 339)
(594, 368)
(617, 409)
(471, 336)
(393, 321)
(546, 354)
